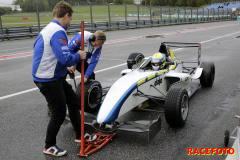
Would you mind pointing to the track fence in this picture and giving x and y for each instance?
(108, 17)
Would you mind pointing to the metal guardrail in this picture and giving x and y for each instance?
(29, 32)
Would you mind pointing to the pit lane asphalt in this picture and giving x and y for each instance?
(23, 118)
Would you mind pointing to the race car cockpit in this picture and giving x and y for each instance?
(137, 60)
(147, 64)
(168, 52)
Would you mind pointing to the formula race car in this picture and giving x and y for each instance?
(171, 86)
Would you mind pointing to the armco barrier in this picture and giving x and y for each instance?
(29, 32)
(18, 32)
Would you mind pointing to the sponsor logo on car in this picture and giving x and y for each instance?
(158, 82)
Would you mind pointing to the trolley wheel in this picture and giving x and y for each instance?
(49, 112)
(226, 138)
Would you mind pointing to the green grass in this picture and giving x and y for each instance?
(99, 13)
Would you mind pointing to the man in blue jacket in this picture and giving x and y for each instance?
(93, 45)
(50, 61)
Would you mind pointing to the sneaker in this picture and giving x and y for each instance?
(87, 137)
(55, 151)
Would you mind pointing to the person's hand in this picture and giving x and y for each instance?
(85, 80)
(72, 68)
(82, 54)
(71, 71)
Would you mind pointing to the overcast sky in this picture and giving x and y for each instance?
(6, 2)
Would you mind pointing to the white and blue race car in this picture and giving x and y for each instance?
(170, 87)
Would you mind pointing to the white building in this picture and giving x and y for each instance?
(137, 1)
(9, 3)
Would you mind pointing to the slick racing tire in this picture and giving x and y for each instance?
(208, 74)
(92, 95)
(176, 107)
(134, 58)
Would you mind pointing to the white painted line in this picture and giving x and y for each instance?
(219, 37)
(18, 93)
(23, 53)
(33, 89)
(113, 59)
(15, 57)
(102, 70)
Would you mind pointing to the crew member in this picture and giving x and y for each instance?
(50, 61)
(93, 43)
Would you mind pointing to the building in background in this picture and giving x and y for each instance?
(137, 1)
(9, 3)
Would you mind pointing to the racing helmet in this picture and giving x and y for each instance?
(158, 61)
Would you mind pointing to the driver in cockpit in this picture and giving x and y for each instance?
(158, 61)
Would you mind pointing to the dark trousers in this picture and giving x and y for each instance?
(59, 93)
(79, 66)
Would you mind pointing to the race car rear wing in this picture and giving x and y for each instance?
(164, 48)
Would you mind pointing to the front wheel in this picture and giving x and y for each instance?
(176, 107)
(92, 95)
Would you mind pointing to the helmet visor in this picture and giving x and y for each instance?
(157, 63)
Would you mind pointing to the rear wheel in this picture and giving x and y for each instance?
(176, 107)
(134, 58)
(208, 74)
(92, 95)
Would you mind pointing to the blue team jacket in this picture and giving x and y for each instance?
(51, 54)
(94, 53)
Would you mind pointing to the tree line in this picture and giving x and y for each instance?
(47, 5)
(5, 10)
(180, 3)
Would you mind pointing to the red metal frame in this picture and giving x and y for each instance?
(103, 138)
(101, 141)
(82, 91)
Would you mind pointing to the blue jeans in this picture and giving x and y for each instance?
(59, 93)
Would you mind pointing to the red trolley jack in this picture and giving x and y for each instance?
(88, 147)
(94, 146)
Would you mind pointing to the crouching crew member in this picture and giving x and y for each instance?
(93, 43)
